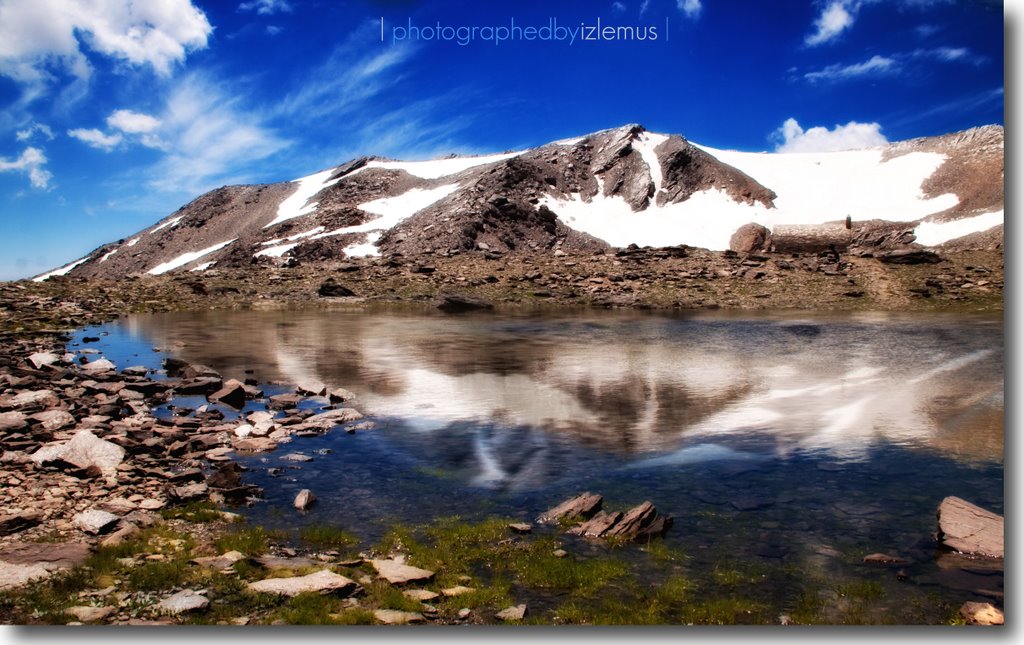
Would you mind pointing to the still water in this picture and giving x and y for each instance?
(785, 446)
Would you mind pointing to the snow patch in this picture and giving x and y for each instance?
(437, 168)
(818, 187)
(568, 142)
(295, 205)
(203, 267)
(133, 241)
(106, 256)
(933, 233)
(61, 271)
(645, 145)
(276, 251)
(185, 258)
(707, 219)
(392, 211)
(170, 222)
(297, 236)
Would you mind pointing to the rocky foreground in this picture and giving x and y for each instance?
(89, 469)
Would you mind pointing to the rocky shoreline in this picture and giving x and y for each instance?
(89, 467)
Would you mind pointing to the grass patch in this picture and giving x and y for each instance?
(310, 609)
(199, 512)
(250, 541)
(322, 535)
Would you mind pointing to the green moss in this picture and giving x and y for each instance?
(310, 609)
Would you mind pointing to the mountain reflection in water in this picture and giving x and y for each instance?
(505, 397)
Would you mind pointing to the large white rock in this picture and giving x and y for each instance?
(95, 521)
(397, 573)
(323, 582)
(15, 575)
(40, 360)
(100, 365)
(186, 600)
(84, 450)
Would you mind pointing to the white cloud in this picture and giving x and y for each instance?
(644, 6)
(690, 8)
(96, 139)
(209, 137)
(32, 130)
(835, 18)
(618, 6)
(41, 37)
(852, 136)
(132, 122)
(874, 66)
(30, 162)
(266, 7)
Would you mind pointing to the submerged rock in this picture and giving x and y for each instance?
(455, 303)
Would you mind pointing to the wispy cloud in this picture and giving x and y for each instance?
(835, 18)
(689, 8)
(95, 138)
(347, 79)
(211, 137)
(266, 7)
(31, 162)
(852, 136)
(874, 66)
(970, 104)
(894, 64)
(34, 129)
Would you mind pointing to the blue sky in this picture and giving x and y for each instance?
(117, 112)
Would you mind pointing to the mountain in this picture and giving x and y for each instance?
(611, 188)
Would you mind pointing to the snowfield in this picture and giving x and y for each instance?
(811, 188)
(436, 168)
(933, 233)
(185, 258)
(295, 205)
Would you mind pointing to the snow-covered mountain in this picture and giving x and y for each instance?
(610, 188)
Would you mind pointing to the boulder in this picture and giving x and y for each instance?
(968, 528)
(331, 289)
(750, 238)
(598, 525)
(327, 420)
(981, 613)
(89, 614)
(633, 521)
(39, 360)
(396, 617)
(190, 492)
(14, 575)
(455, 303)
(219, 562)
(340, 394)
(53, 420)
(183, 601)
(95, 521)
(323, 582)
(29, 399)
(909, 256)
(16, 522)
(584, 505)
(423, 595)
(230, 394)
(311, 388)
(518, 612)
(13, 420)
(99, 365)
(85, 450)
(255, 444)
(398, 573)
(304, 499)
(50, 556)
